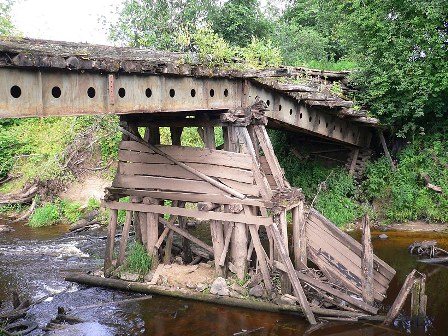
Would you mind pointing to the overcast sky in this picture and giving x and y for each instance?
(75, 20)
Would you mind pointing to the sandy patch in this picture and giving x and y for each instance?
(81, 191)
(183, 275)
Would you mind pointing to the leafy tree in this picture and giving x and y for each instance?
(401, 47)
(162, 24)
(237, 21)
(6, 26)
(306, 36)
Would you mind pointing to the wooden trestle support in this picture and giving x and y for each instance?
(242, 191)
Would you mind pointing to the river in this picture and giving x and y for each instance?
(33, 262)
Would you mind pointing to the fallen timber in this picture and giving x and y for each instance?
(237, 185)
(136, 287)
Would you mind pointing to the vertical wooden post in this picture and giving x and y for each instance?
(176, 134)
(423, 301)
(283, 229)
(152, 230)
(239, 240)
(238, 249)
(110, 242)
(367, 262)
(143, 228)
(168, 247)
(152, 135)
(137, 227)
(418, 302)
(136, 221)
(216, 227)
(299, 236)
(124, 238)
(354, 159)
(186, 248)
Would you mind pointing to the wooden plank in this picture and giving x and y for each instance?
(247, 189)
(298, 290)
(190, 155)
(355, 246)
(299, 236)
(341, 253)
(401, 298)
(160, 209)
(124, 238)
(354, 256)
(181, 184)
(423, 302)
(172, 170)
(110, 242)
(270, 156)
(342, 259)
(187, 235)
(261, 257)
(189, 197)
(263, 184)
(333, 291)
(334, 276)
(206, 178)
(164, 183)
(162, 237)
(222, 258)
(367, 262)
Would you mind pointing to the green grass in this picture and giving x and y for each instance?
(46, 215)
(138, 260)
(71, 211)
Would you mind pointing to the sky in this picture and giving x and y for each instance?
(75, 21)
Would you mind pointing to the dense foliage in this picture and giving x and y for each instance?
(402, 194)
(401, 48)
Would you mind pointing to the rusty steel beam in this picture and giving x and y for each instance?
(33, 93)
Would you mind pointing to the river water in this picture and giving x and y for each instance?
(33, 262)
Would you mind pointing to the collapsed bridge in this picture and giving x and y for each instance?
(235, 183)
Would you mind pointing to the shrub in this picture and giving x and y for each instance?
(93, 204)
(71, 211)
(402, 193)
(138, 260)
(45, 215)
